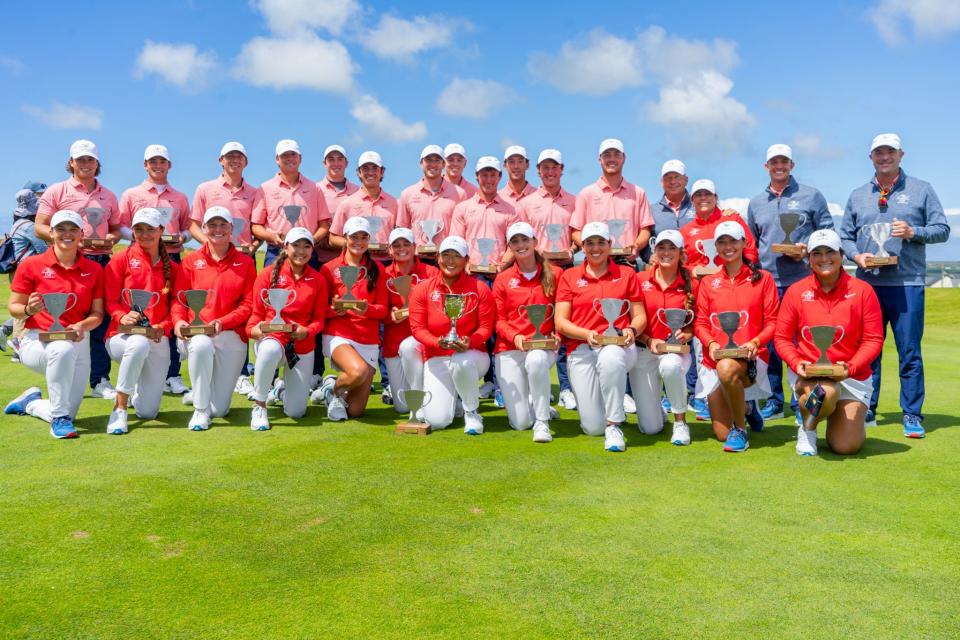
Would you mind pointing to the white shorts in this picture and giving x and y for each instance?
(850, 388)
(369, 352)
(708, 381)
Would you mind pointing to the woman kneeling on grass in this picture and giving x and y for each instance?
(830, 298)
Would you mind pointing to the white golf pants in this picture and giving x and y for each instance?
(645, 379)
(66, 365)
(598, 377)
(524, 378)
(296, 381)
(214, 364)
(406, 372)
(143, 370)
(446, 377)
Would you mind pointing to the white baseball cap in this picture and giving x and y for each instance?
(488, 162)
(217, 212)
(286, 145)
(334, 147)
(432, 150)
(673, 166)
(148, 216)
(824, 238)
(775, 150)
(703, 184)
(82, 148)
(452, 148)
(591, 229)
(550, 154)
(884, 140)
(522, 228)
(233, 146)
(610, 143)
(298, 233)
(66, 215)
(156, 150)
(370, 157)
(672, 235)
(355, 225)
(729, 228)
(515, 150)
(401, 232)
(455, 243)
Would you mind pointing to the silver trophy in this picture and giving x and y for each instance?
(56, 305)
(401, 285)
(292, 213)
(485, 246)
(730, 322)
(349, 275)
(554, 236)
(708, 248)
(140, 300)
(195, 300)
(879, 233)
(430, 229)
(415, 399)
(823, 337)
(239, 224)
(95, 217)
(277, 299)
(166, 215)
(789, 222)
(675, 319)
(612, 309)
(455, 307)
(537, 314)
(375, 222)
(616, 236)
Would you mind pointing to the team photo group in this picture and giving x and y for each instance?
(475, 283)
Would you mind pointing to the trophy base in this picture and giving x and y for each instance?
(276, 327)
(377, 246)
(825, 370)
(672, 348)
(487, 269)
(65, 334)
(619, 251)
(739, 353)
(543, 344)
(198, 330)
(136, 330)
(427, 250)
(620, 341)
(413, 428)
(403, 314)
(170, 239)
(350, 305)
(700, 272)
(96, 243)
(884, 261)
(556, 255)
(792, 250)
(244, 249)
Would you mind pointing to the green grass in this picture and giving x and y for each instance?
(347, 530)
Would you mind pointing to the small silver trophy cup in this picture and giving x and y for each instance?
(401, 285)
(554, 236)
(616, 237)
(675, 319)
(239, 225)
(430, 229)
(790, 222)
(879, 233)
(823, 337)
(415, 399)
(195, 300)
(95, 217)
(708, 248)
(277, 299)
(166, 215)
(375, 222)
(485, 247)
(349, 275)
(612, 309)
(140, 300)
(56, 305)
(537, 314)
(730, 322)
(455, 307)
(292, 213)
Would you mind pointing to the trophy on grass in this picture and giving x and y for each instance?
(292, 213)
(708, 248)
(675, 319)
(537, 314)
(879, 233)
(277, 299)
(612, 309)
(415, 400)
(195, 300)
(140, 300)
(95, 218)
(789, 222)
(823, 337)
(166, 215)
(455, 307)
(401, 285)
(375, 223)
(430, 229)
(485, 246)
(58, 304)
(730, 322)
(616, 235)
(239, 224)
(349, 276)
(554, 236)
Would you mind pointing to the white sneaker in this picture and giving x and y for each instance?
(613, 440)
(276, 393)
(323, 393)
(681, 434)
(487, 389)
(258, 419)
(567, 400)
(243, 386)
(187, 398)
(541, 432)
(200, 421)
(174, 385)
(554, 414)
(806, 442)
(472, 423)
(336, 409)
(117, 425)
(629, 406)
(104, 390)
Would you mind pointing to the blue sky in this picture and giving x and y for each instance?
(713, 85)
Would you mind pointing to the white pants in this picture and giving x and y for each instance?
(296, 381)
(143, 370)
(66, 366)
(645, 379)
(405, 371)
(524, 378)
(214, 364)
(446, 377)
(598, 378)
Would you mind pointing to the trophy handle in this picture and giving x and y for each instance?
(803, 220)
(624, 309)
(690, 316)
(439, 226)
(468, 296)
(661, 316)
(293, 296)
(264, 294)
(745, 319)
(550, 310)
(715, 321)
(699, 246)
(181, 299)
(596, 306)
(391, 288)
(363, 274)
(804, 336)
(73, 301)
(427, 397)
(126, 297)
(843, 332)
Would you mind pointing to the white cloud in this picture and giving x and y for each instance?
(401, 40)
(599, 65)
(296, 17)
(669, 57)
(930, 18)
(809, 146)
(66, 116)
(12, 65)
(181, 65)
(380, 123)
(471, 98)
(702, 115)
(738, 204)
(308, 62)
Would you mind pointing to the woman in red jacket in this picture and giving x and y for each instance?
(668, 285)
(452, 367)
(730, 383)
(830, 297)
(227, 275)
(524, 374)
(305, 310)
(351, 338)
(700, 230)
(143, 359)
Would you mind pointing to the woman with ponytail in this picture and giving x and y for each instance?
(524, 374)
(703, 195)
(143, 359)
(733, 385)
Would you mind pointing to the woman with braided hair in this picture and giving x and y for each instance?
(143, 359)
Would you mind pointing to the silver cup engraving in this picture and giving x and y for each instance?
(56, 305)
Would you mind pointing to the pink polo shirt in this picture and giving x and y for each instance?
(276, 194)
(361, 204)
(333, 198)
(540, 209)
(477, 218)
(511, 196)
(146, 194)
(218, 192)
(71, 194)
(598, 202)
(418, 203)
(465, 188)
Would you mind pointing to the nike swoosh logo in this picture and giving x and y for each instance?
(849, 295)
(84, 275)
(237, 264)
(307, 279)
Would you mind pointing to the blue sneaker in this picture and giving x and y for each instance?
(736, 440)
(700, 407)
(62, 427)
(772, 410)
(498, 399)
(18, 406)
(798, 418)
(665, 404)
(754, 417)
(912, 428)
(871, 419)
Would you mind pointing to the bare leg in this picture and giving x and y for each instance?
(733, 379)
(845, 430)
(805, 387)
(354, 379)
(720, 414)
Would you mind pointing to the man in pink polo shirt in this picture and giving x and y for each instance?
(228, 190)
(456, 161)
(432, 198)
(516, 162)
(612, 197)
(371, 202)
(335, 188)
(287, 200)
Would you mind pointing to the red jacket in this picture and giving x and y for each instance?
(396, 332)
(719, 293)
(230, 283)
(131, 269)
(43, 273)
(429, 323)
(656, 297)
(511, 290)
(308, 309)
(700, 229)
(852, 304)
(581, 289)
(359, 327)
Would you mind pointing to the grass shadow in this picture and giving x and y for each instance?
(872, 447)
